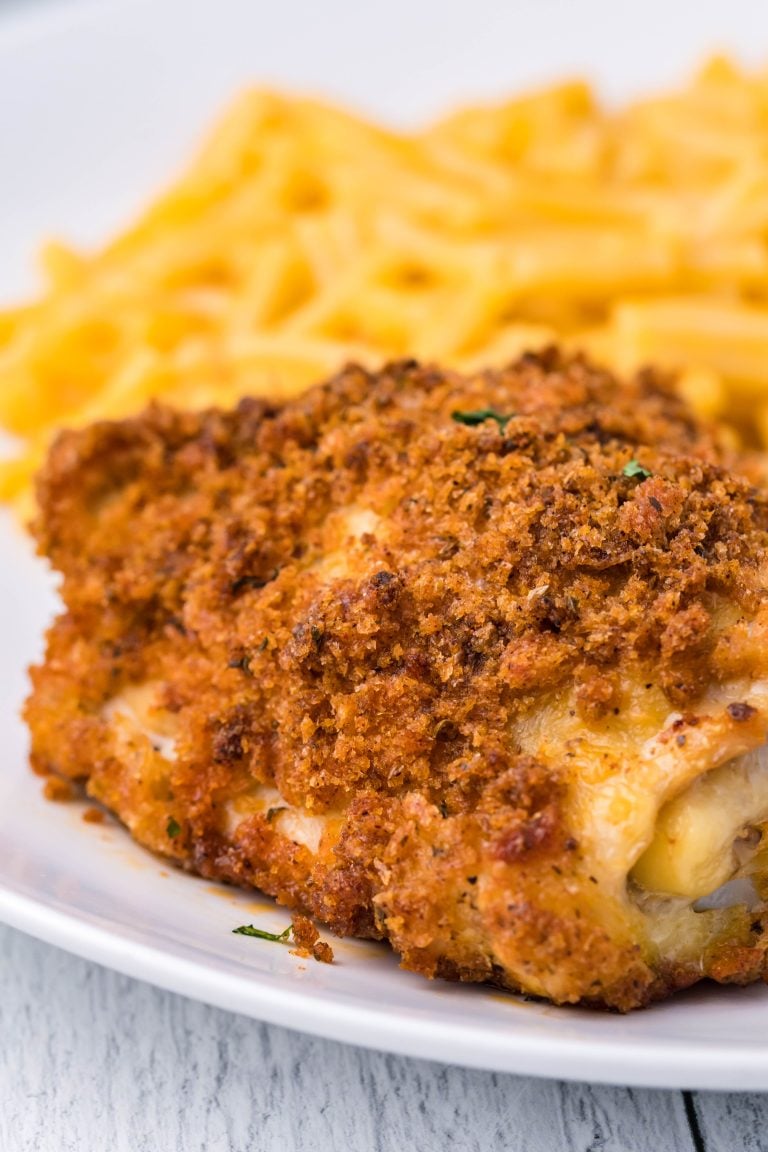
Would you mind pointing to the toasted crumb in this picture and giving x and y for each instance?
(93, 816)
(55, 788)
(308, 943)
(305, 934)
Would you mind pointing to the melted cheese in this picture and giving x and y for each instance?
(694, 847)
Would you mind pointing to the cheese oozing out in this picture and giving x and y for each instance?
(701, 843)
(704, 836)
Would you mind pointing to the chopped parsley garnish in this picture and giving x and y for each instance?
(173, 828)
(480, 416)
(635, 471)
(277, 937)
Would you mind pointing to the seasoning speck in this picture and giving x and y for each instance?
(741, 711)
(635, 471)
(480, 415)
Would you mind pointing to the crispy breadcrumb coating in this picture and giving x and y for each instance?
(423, 674)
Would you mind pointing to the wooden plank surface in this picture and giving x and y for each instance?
(91, 1060)
(733, 1122)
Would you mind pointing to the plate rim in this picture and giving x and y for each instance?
(644, 1064)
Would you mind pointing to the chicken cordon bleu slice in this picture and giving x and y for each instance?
(477, 665)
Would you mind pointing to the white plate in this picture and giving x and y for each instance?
(97, 104)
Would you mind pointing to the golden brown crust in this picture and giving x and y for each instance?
(376, 673)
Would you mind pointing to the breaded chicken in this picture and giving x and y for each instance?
(475, 665)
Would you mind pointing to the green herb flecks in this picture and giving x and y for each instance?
(480, 416)
(635, 471)
(260, 934)
(173, 828)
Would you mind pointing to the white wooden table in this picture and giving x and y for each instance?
(92, 1061)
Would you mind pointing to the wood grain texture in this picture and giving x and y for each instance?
(92, 1060)
(733, 1121)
